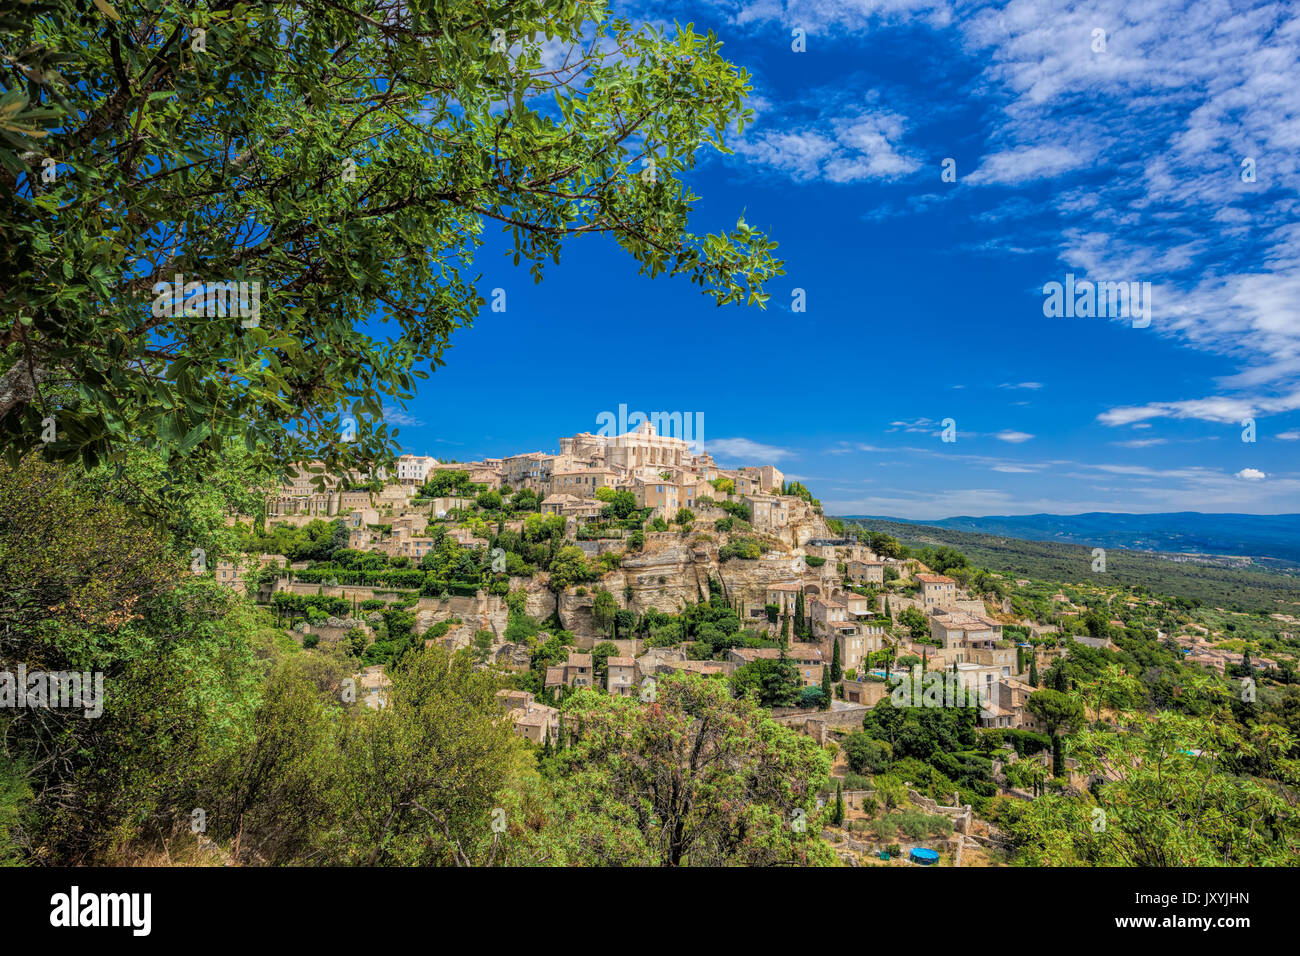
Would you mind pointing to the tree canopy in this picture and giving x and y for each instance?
(256, 222)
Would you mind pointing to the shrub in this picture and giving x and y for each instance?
(866, 754)
(746, 549)
(856, 781)
(913, 823)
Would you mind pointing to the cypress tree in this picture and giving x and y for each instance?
(1033, 671)
(838, 818)
(1059, 679)
(798, 614)
(887, 613)
(1058, 758)
(836, 671)
(826, 689)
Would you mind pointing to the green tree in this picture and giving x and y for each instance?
(770, 683)
(600, 655)
(371, 151)
(422, 773)
(622, 503)
(890, 792)
(865, 754)
(603, 609)
(624, 622)
(569, 567)
(1058, 711)
(836, 671)
(701, 778)
(915, 622)
(1166, 793)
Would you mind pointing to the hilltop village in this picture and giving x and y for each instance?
(942, 697)
(610, 542)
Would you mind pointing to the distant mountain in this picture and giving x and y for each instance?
(1259, 536)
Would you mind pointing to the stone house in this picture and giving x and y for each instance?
(620, 676)
(937, 591)
(576, 672)
(866, 572)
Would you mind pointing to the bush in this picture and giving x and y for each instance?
(866, 754)
(913, 823)
(1027, 742)
(747, 549)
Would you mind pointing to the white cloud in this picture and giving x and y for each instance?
(1293, 435)
(1221, 409)
(1250, 474)
(750, 451)
(925, 426)
(1013, 436)
(847, 447)
(1143, 143)
(864, 145)
(396, 416)
(1026, 163)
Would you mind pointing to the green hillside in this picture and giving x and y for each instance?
(1233, 588)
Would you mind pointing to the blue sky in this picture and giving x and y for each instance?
(924, 297)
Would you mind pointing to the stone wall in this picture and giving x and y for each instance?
(818, 724)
